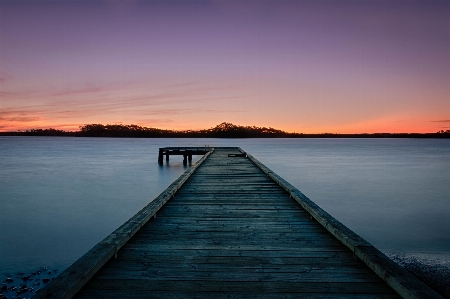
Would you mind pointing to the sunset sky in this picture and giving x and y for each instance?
(298, 66)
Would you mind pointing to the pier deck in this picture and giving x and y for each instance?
(234, 229)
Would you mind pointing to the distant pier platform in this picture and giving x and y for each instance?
(229, 227)
(186, 152)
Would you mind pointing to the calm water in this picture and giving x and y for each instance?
(61, 196)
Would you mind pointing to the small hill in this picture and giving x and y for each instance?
(229, 130)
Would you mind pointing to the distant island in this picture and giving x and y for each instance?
(223, 130)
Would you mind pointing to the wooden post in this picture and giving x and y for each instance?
(167, 156)
(184, 159)
(160, 157)
(190, 158)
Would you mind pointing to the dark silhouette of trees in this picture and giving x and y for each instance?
(47, 132)
(223, 130)
(97, 130)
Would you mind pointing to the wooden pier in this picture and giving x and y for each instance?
(186, 152)
(231, 228)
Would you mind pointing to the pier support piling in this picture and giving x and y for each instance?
(186, 152)
(160, 157)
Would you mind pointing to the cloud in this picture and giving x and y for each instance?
(5, 94)
(153, 122)
(187, 110)
(139, 102)
(70, 91)
(21, 118)
(4, 76)
(64, 93)
(441, 121)
(11, 115)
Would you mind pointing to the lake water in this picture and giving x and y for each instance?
(61, 196)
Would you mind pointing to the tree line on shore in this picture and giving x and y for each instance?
(223, 130)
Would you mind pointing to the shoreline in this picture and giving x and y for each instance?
(431, 270)
(296, 136)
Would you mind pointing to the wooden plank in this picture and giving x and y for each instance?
(218, 274)
(319, 259)
(300, 257)
(239, 286)
(199, 293)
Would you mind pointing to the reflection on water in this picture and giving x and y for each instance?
(60, 196)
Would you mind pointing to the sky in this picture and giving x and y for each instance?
(299, 66)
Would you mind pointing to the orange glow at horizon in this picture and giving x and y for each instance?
(370, 127)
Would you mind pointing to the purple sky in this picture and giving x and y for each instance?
(304, 66)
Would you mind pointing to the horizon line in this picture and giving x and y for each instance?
(186, 131)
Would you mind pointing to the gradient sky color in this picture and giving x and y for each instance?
(299, 66)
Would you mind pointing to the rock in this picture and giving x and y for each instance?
(8, 280)
(46, 280)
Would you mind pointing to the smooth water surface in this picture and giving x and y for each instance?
(61, 196)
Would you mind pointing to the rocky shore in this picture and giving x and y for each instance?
(433, 272)
(24, 285)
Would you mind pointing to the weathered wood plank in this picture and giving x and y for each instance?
(336, 254)
(239, 286)
(229, 295)
(222, 274)
(321, 259)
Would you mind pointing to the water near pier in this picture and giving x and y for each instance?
(60, 196)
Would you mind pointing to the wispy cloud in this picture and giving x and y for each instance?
(4, 76)
(187, 110)
(153, 122)
(441, 121)
(70, 91)
(140, 102)
(14, 115)
(21, 118)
